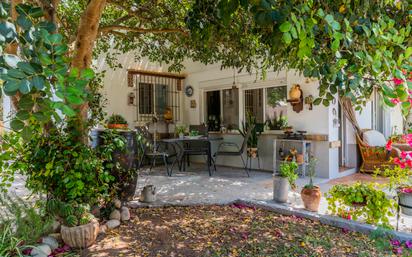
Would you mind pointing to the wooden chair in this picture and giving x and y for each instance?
(375, 157)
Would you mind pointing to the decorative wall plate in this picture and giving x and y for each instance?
(189, 90)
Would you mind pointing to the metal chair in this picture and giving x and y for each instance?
(152, 151)
(237, 151)
(197, 147)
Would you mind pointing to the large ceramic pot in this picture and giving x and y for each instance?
(80, 236)
(280, 189)
(405, 202)
(311, 198)
(126, 172)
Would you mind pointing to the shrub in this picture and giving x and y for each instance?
(70, 215)
(363, 201)
(287, 170)
(116, 119)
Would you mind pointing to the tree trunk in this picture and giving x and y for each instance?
(85, 40)
(12, 48)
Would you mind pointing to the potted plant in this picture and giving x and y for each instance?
(252, 143)
(285, 179)
(180, 130)
(116, 121)
(364, 200)
(277, 123)
(310, 193)
(79, 227)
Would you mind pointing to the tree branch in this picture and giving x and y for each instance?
(118, 28)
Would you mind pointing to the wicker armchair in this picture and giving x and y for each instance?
(375, 157)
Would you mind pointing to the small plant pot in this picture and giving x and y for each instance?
(117, 126)
(311, 198)
(280, 189)
(252, 152)
(80, 236)
(181, 135)
(405, 201)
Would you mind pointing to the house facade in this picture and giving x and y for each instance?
(223, 97)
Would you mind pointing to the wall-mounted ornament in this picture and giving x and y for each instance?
(192, 103)
(189, 90)
(130, 98)
(335, 121)
(168, 115)
(309, 101)
(296, 98)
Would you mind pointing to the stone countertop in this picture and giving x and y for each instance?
(277, 134)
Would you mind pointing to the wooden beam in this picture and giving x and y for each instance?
(156, 73)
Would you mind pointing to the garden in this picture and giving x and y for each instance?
(80, 192)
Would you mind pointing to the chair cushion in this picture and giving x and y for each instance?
(374, 138)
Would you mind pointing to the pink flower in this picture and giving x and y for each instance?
(395, 242)
(389, 145)
(397, 250)
(395, 101)
(397, 81)
(408, 244)
(407, 190)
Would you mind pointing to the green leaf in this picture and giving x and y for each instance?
(68, 111)
(87, 74)
(55, 39)
(335, 25)
(325, 102)
(15, 73)
(23, 115)
(335, 45)
(10, 87)
(40, 117)
(24, 22)
(287, 38)
(26, 133)
(320, 13)
(329, 19)
(317, 101)
(408, 52)
(26, 67)
(38, 82)
(74, 100)
(17, 125)
(285, 27)
(24, 86)
(26, 103)
(36, 12)
(7, 31)
(294, 33)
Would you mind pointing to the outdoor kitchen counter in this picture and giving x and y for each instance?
(277, 134)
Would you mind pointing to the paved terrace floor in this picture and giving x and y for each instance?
(194, 186)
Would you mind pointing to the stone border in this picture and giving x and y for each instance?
(288, 210)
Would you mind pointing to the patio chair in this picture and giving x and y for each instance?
(374, 155)
(153, 152)
(192, 148)
(236, 150)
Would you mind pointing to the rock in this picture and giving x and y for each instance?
(50, 241)
(41, 250)
(117, 203)
(103, 229)
(56, 226)
(115, 215)
(124, 214)
(113, 224)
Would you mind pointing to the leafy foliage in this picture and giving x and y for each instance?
(288, 170)
(116, 119)
(40, 74)
(26, 221)
(58, 166)
(250, 123)
(363, 201)
(311, 171)
(70, 214)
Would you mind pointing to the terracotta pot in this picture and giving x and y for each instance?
(117, 126)
(80, 236)
(252, 152)
(311, 198)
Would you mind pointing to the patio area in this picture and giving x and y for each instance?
(195, 187)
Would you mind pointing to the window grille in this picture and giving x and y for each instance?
(155, 94)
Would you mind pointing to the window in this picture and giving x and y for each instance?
(254, 103)
(157, 93)
(268, 105)
(222, 109)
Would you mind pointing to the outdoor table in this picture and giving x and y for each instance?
(182, 142)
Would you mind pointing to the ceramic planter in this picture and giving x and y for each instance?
(280, 189)
(117, 126)
(80, 236)
(311, 198)
(252, 152)
(405, 199)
